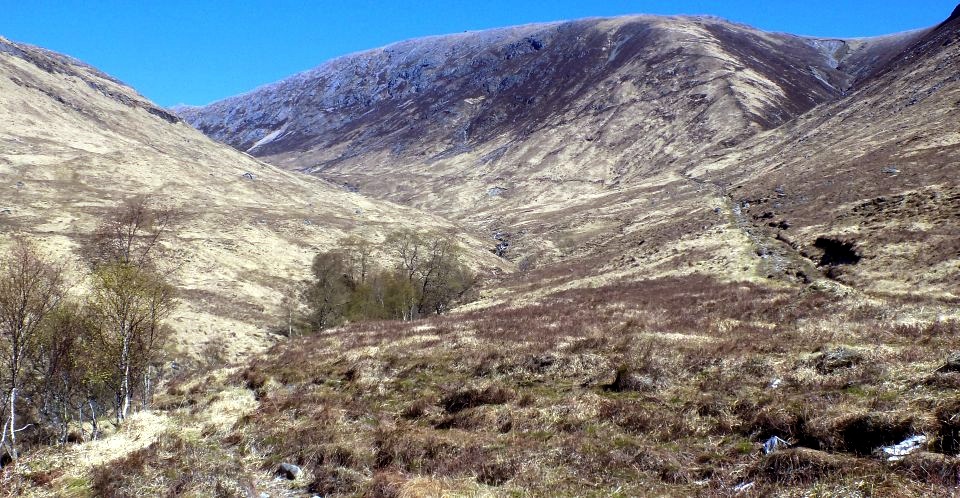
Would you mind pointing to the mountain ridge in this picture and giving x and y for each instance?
(548, 112)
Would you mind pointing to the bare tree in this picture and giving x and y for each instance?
(360, 255)
(30, 290)
(63, 370)
(433, 266)
(291, 306)
(443, 280)
(130, 234)
(409, 248)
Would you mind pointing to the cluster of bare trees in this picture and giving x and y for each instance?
(67, 360)
(347, 285)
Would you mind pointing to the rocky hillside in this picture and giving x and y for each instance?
(445, 96)
(637, 137)
(867, 184)
(74, 142)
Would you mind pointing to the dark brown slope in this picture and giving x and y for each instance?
(873, 179)
(408, 98)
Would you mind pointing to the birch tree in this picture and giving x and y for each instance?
(130, 234)
(30, 290)
(130, 297)
(129, 305)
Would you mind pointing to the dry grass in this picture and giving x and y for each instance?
(666, 386)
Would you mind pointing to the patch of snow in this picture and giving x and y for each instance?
(267, 139)
(821, 78)
(496, 191)
(743, 487)
(830, 49)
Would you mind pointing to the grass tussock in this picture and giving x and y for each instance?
(664, 387)
(173, 466)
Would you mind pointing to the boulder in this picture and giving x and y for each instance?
(289, 471)
(837, 359)
(951, 365)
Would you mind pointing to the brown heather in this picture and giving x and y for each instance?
(656, 387)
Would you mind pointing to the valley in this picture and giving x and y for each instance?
(684, 256)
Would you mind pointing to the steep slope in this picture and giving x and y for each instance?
(558, 136)
(873, 179)
(74, 142)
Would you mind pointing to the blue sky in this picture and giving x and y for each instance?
(195, 52)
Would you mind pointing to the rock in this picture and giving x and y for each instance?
(496, 191)
(896, 452)
(743, 487)
(289, 471)
(782, 225)
(20, 184)
(539, 363)
(628, 380)
(249, 176)
(891, 170)
(952, 364)
(837, 359)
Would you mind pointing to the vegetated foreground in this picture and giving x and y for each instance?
(659, 387)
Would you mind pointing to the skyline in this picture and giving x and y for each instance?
(182, 52)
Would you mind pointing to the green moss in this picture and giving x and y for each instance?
(744, 446)
(77, 487)
(857, 391)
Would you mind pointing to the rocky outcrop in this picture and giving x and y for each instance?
(108, 86)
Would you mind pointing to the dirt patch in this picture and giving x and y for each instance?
(861, 434)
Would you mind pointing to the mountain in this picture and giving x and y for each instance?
(592, 138)
(74, 142)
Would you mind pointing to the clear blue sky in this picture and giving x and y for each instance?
(195, 52)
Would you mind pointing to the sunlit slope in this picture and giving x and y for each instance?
(75, 142)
